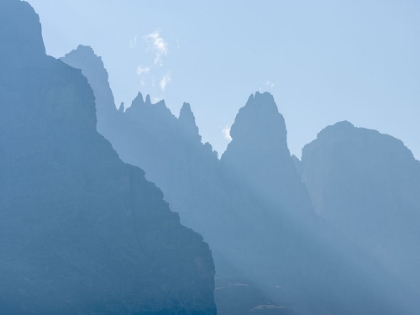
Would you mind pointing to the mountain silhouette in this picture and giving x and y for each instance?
(168, 148)
(367, 185)
(259, 155)
(81, 231)
(273, 253)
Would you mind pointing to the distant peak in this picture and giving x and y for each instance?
(341, 127)
(260, 98)
(344, 124)
(138, 101)
(187, 120)
(87, 49)
(265, 96)
(259, 119)
(142, 108)
(139, 96)
(93, 68)
(263, 101)
(186, 112)
(84, 54)
(162, 104)
(148, 101)
(207, 146)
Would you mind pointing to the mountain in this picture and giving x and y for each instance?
(291, 249)
(259, 156)
(192, 178)
(273, 253)
(367, 185)
(104, 98)
(81, 232)
(148, 135)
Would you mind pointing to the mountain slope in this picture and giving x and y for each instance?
(81, 231)
(273, 253)
(367, 185)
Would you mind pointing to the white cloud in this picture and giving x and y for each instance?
(142, 70)
(165, 81)
(269, 83)
(156, 100)
(226, 133)
(158, 45)
(133, 42)
(152, 74)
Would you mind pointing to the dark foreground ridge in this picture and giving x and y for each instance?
(81, 232)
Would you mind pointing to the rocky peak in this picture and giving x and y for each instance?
(20, 35)
(138, 101)
(148, 101)
(358, 160)
(92, 67)
(259, 155)
(187, 123)
(336, 131)
(259, 124)
(84, 57)
(62, 89)
(149, 113)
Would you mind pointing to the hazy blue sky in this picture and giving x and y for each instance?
(324, 61)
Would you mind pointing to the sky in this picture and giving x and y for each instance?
(324, 61)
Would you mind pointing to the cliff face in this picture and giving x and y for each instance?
(81, 231)
(367, 184)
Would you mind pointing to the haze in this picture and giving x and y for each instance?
(129, 210)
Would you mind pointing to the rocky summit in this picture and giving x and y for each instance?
(259, 156)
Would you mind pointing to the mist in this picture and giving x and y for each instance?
(114, 200)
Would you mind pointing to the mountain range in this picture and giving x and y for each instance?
(274, 251)
(108, 209)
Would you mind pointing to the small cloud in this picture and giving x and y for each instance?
(142, 70)
(269, 83)
(165, 81)
(133, 42)
(153, 76)
(226, 133)
(155, 100)
(158, 45)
